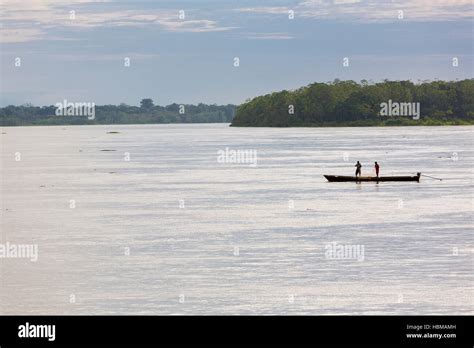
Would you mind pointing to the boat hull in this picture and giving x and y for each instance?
(344, 178)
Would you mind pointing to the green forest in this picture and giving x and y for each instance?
(348, 103)
(337, 103)
(147, 112)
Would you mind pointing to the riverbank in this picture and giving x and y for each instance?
(372, 123)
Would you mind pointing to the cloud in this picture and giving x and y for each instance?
(29, 20)
(10, 35)
(41, 5)
(338, 2)
(264, 10)
(119, 57)
(195, 26)
(374, 10)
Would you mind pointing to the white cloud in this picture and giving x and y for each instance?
(35, 19)
(375, 10)
(41, 5)
(339, 2)
(265, 10)
(9, 35)
(102, 57)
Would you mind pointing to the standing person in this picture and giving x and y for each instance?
(377, 168)
(358, 167)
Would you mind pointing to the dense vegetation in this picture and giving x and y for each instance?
(347, 103)
(147, 112)
(338, 103)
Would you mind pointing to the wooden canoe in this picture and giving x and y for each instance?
(344, 178)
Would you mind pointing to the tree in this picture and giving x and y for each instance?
(146, 104)
(350, 103)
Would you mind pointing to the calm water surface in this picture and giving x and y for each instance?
(173, 231)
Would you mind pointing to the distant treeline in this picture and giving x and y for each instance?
(348, 103)
(147, 112)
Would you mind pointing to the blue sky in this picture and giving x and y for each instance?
(191, 59)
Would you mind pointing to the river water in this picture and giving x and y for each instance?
(154, 219)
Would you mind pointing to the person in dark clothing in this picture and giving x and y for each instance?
(377, 167)
(358, 167)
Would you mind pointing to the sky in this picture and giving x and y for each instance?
(185, 51)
